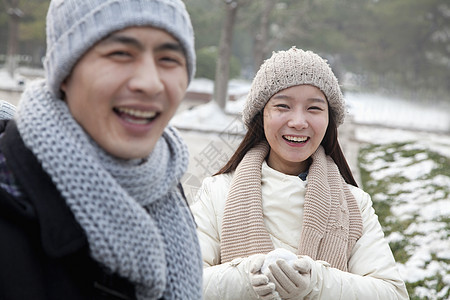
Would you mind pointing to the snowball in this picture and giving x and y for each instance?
(279, 253)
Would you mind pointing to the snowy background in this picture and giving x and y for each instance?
(403, 146)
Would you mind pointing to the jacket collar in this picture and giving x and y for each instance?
(60, 233)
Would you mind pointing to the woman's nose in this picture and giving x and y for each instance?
(298, 121)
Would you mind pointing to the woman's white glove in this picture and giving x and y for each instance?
(260, 282)
(292, 281)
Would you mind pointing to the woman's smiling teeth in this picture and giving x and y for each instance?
(295, 139)
(136, 116)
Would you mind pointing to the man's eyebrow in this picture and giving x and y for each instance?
(122, 39)
(131, 41)
(172, 46)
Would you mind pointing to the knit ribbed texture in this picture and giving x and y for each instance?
(332, 221)
(244, 208)
(135, 219)
(290, 68)
(7, 110)
(74, 26)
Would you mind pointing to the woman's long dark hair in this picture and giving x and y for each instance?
(255, 134)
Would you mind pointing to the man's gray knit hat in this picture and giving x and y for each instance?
(290, 68)
(74, 26)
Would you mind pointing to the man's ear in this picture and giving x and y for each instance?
(63, 88)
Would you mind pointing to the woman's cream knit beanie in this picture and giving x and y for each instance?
(290, 68)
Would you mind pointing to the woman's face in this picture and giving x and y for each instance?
(295, 122)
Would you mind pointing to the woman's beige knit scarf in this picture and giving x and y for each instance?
(332, 220)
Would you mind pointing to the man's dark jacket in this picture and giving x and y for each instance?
(43, 250)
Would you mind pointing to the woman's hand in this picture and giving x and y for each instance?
(260, 282)
(291, 281)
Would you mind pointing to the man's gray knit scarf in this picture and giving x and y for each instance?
(135, 218)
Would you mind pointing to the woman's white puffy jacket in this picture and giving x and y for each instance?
(372, 270)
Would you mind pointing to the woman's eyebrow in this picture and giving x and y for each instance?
(281, 96)
(318, 100)
(287, 97)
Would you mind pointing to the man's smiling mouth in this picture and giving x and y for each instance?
(136, 116)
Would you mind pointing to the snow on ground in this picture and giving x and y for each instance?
(204, 85)
(398, 113)
(421, 200)
(15, 83)
(407, 175)
(12, 87)
(439, 142)
(208, 117)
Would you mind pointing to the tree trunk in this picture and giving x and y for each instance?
(13, 35)
(223, 60)
(261, 38)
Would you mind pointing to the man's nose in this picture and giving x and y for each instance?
(146, 78)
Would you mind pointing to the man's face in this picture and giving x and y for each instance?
(126, 88)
